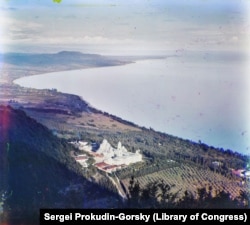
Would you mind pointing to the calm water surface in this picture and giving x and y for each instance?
(193, 98)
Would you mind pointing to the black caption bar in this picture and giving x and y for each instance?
(143, 216)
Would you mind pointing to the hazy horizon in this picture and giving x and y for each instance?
(124, 27)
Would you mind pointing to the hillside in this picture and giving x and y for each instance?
(63, 58)
(36, 171)
(15, 65)
(36, 163)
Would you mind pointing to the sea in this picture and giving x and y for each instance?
(202, 97)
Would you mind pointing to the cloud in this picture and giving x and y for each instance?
(15, 30)
(145, 26)
(80, 40)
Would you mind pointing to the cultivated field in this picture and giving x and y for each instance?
(191, 178)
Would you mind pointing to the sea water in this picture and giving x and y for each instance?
(201, 98)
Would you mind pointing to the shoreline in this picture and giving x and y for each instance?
(47, 71)
(106, 70)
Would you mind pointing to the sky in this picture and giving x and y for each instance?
(124, 27)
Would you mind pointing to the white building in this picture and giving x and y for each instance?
(106, 157)
(118, 156)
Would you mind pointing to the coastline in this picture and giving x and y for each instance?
(175, 118)
(69, 117)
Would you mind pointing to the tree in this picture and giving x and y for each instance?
(134, 193)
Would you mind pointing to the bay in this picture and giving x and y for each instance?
(200, 99)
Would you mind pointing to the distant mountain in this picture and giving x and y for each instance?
(36, 171)
(57, 59)
(75, 53)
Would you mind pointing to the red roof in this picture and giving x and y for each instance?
(101, 164)
(110, 167)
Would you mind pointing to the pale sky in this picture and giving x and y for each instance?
(124, 27)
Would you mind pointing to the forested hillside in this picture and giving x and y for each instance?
(36, 171)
